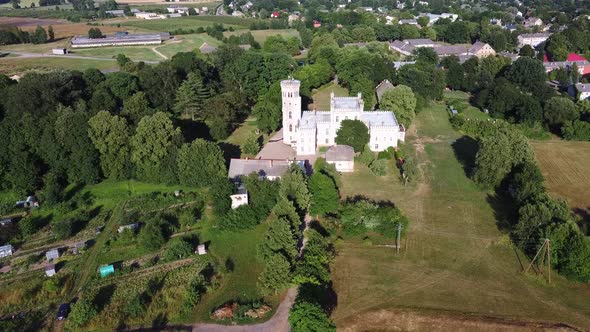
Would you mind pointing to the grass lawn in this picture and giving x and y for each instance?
(565, 167)
(172, 24)
(453, 259)
(261, 35)
(321, 96)
(135, 53)
(17, 65)
(186, 43)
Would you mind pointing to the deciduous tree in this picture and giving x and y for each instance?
(353, 133)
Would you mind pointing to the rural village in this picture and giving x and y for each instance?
(263, 165)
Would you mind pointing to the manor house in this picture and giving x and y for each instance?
(305, 131)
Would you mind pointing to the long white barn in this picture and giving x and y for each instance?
(305, 131)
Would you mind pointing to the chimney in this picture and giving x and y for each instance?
(270, 162)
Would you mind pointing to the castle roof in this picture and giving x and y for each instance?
(379, 118)
(347, 102)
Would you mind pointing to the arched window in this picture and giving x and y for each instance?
(290, 115)
(290, 127)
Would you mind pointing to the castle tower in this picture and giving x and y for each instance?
(291, 110)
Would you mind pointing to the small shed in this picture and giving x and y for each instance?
(76, 248)
(201, 250)
(131, 227)
(105, 270)
(59, 51)
(5, 222)
(6, 250)
(52, 254)
(50, 270)
(342, 157)
(239, 198)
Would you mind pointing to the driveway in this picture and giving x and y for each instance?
(276, 149)
(278, 323)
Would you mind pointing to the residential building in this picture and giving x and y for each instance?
(532, 22)
(533, 39)
(120, 40)
(432, 18)
(380, 89)
(305, 131)
(270, 169)
(342, 157)
(178, 10)
(583, 66)
(583, 91)
(481, 50)
(448, 50)
(6, 250)
(496, 21)
(399, 64)
(293, 18)
(407, 47)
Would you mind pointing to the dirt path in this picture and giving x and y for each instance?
(160, 54)
(278, 323)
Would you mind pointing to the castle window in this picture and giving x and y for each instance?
(290, 127)
(336, 119)
(376, 146)
(326, 141)
(290, 115)
(327, 131)
(346, 117)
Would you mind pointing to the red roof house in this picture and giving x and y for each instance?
(575, 57)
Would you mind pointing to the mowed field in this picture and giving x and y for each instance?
(565, 167)
(321, 96)
(14, 65)
(261, 35)
(454, 260)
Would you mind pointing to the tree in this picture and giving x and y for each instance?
(154, 147)
(110, 135)
(251, 146)
(275, 275)
(353, 133)
(39, 36)
(423, 21)
(82, 311)
(136, 107)
(178, 249)
(526, 182)
(95, 33)
(279, 238)
(309, 317)
(191, 97)
(122, 60)
(62, 228)
(151, 237)
(402, 102)
(527, 50)
(379, 167)
(576, 130)
(294, 187)
(200, 163)
(51, 33)
(324, 194)
(559, 110)
(528, 73)
(122, 85)
(53, 188)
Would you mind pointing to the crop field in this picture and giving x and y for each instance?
(172, 24)
(454, 260)
(261, 35)
(565, 167)
(14, 65)
(321, 96)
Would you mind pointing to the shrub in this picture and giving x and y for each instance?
(367, 156)
(379, 167)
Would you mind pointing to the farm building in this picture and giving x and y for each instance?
(105, 270)
(120, 40)
(52, 254)
(239, 198)
(6, 250)
(59, 51)
(131, 227)
(50, 270)
(342, 157)
(201, 250)
(5, 222)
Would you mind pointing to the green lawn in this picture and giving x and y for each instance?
(321, 96)
(135, 53)
(261, 35)
(17, 65)
(454, 258)
(186, 43)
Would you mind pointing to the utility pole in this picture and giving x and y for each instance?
(546, 250)
(398, 242)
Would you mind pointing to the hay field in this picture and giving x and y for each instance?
(454, 258)
(565, 167)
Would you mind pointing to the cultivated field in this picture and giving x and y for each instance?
(261, 35)
(565, 167)
(454, 260)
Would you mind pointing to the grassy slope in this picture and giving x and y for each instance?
(186, 43)
(321, 96)
(454, 257)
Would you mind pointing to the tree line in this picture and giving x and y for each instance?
(17, 36)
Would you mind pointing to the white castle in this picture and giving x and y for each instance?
(307, 130)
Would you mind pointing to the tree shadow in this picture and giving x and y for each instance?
(324, 295)
(229, 151)
(160, 321)
(505, 211)
(73, 191)
(465, 149)
(229, 264)
(584, 222)
(192, 130)
(103, 297)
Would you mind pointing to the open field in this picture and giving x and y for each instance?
(261, 35)
(147, 6)
(321, 96)
(171, 24)
(186, 43)
(565, 167)
(16, 65)
(135, 53)
(454, 260)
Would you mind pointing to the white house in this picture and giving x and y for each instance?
(342, 157)
(532, 22)
(305, 131)
(149, 16)
(481, 50)
(583, 91)
(533, 39)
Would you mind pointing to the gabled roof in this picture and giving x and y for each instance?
(262, 167)
(450, 50)
(206, 48)
(340, 153)
(382, 87)
(476, 47)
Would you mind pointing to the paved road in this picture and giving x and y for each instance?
(278, 323)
